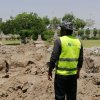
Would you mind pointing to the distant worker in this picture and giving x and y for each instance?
(67, 59)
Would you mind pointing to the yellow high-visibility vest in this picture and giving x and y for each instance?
(68, 60)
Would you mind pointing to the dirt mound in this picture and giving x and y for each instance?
(23, 73)
(27, 73)
(89, 83)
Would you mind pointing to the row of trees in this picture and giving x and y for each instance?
(30, 25)
(88, 34)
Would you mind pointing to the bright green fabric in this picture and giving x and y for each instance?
(68, 60)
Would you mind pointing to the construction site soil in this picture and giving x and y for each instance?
(23, 73)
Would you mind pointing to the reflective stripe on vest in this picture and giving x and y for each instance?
(68, 60)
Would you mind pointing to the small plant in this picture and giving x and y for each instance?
(47, 35)
(81, 32)
(34, 36)
(99, 32)
(87, 32)
(94, 32)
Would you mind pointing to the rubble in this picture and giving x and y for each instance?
(27, 74)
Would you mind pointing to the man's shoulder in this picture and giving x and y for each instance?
(57, 42)
(58, 39)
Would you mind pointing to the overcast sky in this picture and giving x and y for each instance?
(84, 9)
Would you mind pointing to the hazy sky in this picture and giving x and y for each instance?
(84, 9)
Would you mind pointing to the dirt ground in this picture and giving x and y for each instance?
(23, 73)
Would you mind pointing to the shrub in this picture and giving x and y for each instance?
(47, 35)
(99, 32)
(95, 32)
(81, 32)
(35, 36)
(87, 32)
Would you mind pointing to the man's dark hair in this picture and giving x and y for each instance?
(65, 32)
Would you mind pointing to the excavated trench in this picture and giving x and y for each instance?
(23, 73)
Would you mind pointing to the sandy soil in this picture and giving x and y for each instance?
(23, 73)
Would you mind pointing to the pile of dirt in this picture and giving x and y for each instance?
(23, 73)
(89, 82)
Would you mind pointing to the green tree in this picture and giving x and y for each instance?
(81, 33)
(46, 20)
(99, 32)
(55, 22)
(24, 34)
(31, 22)
(8, 27)
(25, 21)
(26, 25)
(68, 17)
(95, 32)
(87, 32)
(79, 23)
(47, 35)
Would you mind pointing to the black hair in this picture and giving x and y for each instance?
(65, 32)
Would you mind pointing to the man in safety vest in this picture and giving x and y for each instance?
(67, 59)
